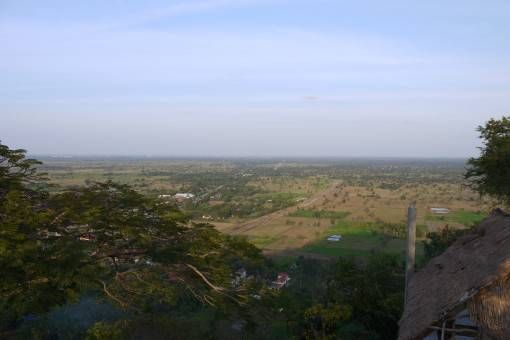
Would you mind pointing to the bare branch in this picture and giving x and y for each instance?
(105, 289)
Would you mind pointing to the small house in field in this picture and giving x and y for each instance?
(184, 195)
(465, 292)
(334, 238)
(440, 211)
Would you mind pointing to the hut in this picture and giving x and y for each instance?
(465, 292)
(334, 238)
(440, 211)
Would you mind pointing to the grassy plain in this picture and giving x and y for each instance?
(291, 207)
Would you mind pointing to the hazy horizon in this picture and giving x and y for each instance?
(252, 78)
(283, 158)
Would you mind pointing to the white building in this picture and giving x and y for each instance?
(440, 211)
(184, 195)
(334, 238)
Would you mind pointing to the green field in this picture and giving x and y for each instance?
(358, 239)
(466, 218)
(263, 241)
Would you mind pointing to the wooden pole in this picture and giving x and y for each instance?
(411, 245)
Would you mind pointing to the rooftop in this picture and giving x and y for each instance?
(474, 262)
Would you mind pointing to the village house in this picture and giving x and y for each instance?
(87, 237)
(76, 227)
(184, 195)
(178, 197)
(239, 276)
(465, 292)
(282, 279)
(334, 238)
(241, 272)
(49, 234)
(440, 211)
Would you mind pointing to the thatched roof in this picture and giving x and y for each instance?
(473, 262)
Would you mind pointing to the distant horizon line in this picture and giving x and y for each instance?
(236, 157)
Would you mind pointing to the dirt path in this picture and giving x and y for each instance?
(317, 199)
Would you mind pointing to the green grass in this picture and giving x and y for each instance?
(262, 241)
(283, 262)
(358, 240)
(319, 214)
(421, 231)
(321, 183)
(466, 218)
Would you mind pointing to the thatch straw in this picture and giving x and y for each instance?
(491, 308)
(464, 272)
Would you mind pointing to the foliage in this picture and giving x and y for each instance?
(253, 205)
(104, 331)
(466, 218)
(344, 299)
(70, 321)
(37, 272)
(106, 237)
(375, 291)
(16, 171)
(322, 322)
(489, 173)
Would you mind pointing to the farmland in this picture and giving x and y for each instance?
(289, 208)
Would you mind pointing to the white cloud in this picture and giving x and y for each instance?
(179, 9)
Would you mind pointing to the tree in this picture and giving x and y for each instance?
(106, 238)
(322, 322)
(16, 171)
(489, 174)
(33, 275)
(375, 291)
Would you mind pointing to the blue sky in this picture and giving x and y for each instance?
(252, 77)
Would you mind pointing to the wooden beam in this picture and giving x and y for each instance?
(455, 330)
(411, 245)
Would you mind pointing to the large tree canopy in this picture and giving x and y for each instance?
(489, 174)
(106, 238)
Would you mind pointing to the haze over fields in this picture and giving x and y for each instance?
(252, 78)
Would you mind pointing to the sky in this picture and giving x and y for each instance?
(216, 78)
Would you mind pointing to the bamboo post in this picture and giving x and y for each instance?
(411, 245)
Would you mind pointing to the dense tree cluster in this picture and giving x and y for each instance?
(106, 239)
(489, 174)
(343, 299)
